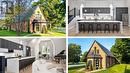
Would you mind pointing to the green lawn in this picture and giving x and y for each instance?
(11, 33)
(128, 69)
(119, 68)
(76, 70)
(50, 33)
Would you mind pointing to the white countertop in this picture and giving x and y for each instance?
(26, 57)
(98, 21)
(85, 20)
(22, 58)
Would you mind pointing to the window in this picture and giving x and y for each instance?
(94, 50)
(97, 51)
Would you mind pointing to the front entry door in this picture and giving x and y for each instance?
(37, 27)
(97, 63)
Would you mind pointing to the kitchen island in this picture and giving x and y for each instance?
(85, 24)
(14, 65)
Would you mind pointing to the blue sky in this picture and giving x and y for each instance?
(87, 42)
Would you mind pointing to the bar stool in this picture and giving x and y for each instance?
(80, 26)
(90, 28)
(98, 27)
(83, 27)
(107, 28)
(115, 28)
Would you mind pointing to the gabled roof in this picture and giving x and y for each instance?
(104, 49)
(26, 15)
(108, 53)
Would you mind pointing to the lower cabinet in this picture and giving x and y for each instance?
(2, 64)
(14, 65)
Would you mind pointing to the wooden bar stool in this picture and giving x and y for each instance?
(80, 26)
(83, 26)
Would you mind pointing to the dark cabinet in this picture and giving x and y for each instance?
(2, 64)
(3, 43)
(10, 45)
(25, 62)
(120, 11)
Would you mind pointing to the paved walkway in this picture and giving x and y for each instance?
(83, 69)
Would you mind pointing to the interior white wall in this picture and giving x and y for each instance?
(34, 47)
(96, 3)
(60, 44)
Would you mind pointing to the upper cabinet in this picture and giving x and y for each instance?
(10, 45)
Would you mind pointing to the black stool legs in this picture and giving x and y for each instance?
(107, 28)
(90, 28)
(98, 28)
(115, 28)
(81, 27)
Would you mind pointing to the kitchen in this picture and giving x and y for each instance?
(32, 55)
(98, 17)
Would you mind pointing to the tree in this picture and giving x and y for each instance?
(121, 50)
(18, 7)
(74, 53)
(54, 11)
(83, 56)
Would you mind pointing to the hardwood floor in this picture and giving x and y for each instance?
(126, 32)
(27, 69)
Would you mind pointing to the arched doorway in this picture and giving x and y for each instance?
(89, 65)
(47, 49)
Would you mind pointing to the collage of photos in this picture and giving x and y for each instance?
(64, 36)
